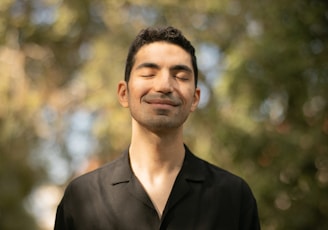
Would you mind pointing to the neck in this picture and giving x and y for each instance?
(156, 152)
(156, 159)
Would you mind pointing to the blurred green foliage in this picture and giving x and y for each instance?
(264, 109)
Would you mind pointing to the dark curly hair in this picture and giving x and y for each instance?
(154, 34)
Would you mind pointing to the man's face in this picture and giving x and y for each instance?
(161, 91)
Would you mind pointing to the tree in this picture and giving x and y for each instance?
(278, 82)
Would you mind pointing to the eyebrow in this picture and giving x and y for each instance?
(155, 66)
(147, 65)
(182, 67)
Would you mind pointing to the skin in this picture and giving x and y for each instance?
(160, 95)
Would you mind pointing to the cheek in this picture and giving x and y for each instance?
(138, 89)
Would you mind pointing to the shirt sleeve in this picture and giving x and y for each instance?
(60, 220)
(249, 212)
(63, 220)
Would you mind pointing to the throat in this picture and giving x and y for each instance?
(159, 189)
(156, 169)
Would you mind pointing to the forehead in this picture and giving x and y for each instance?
(163, 53)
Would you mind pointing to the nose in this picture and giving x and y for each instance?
(164, 82)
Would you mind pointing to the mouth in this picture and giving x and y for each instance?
(161, 101)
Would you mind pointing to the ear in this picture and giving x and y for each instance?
(122, 93)
(195, 100)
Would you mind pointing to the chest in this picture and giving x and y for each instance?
(187, 207)
(158, 190)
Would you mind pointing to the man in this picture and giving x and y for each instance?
(158, 183)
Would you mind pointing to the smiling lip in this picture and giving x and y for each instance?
(162, 102)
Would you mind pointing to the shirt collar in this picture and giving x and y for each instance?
(193, 168)
(122, 172)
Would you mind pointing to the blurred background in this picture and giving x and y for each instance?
(263, 113)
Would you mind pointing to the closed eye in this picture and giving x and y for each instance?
(147, 75)
(182, 75)
(182, 78)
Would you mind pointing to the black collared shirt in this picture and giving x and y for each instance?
(203, 197)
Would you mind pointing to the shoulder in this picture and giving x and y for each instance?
(225, 192)
(216, 176)
(104, 175)
(223, 184)
(228, 180)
